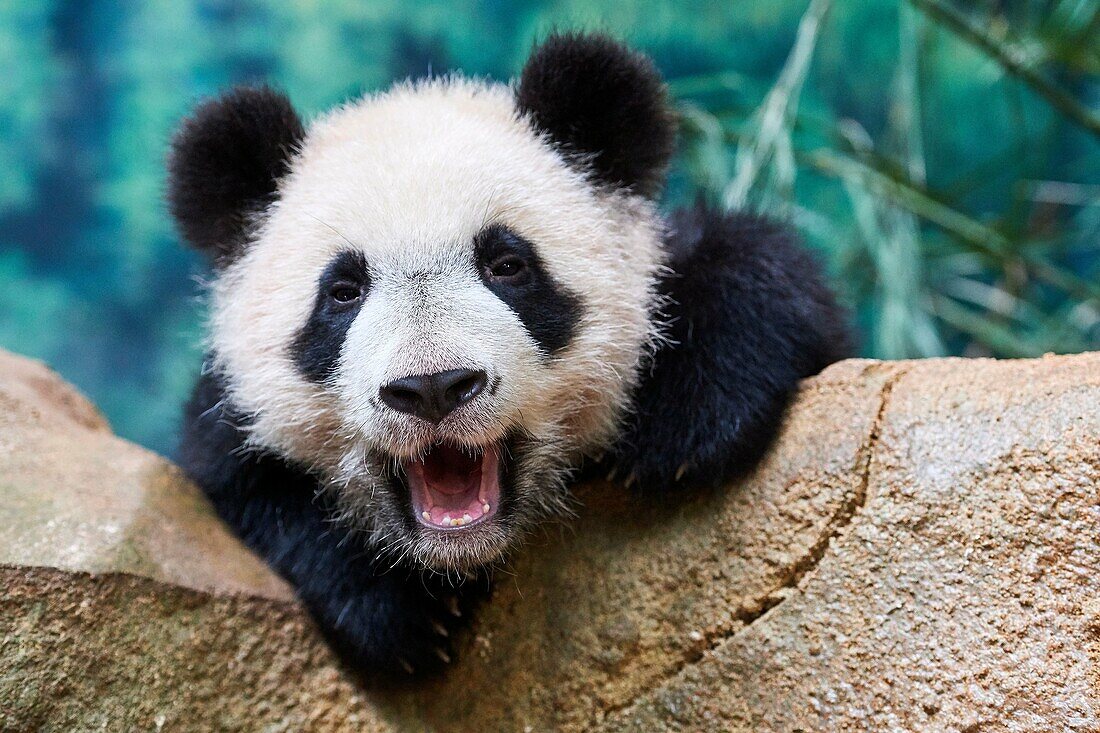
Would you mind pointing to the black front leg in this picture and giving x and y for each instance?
(750, 316)
(386, 622)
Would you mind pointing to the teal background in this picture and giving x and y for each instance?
(954, 197)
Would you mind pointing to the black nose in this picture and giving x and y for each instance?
(433, 396)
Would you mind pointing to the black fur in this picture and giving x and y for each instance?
(316, 350)
(548, 310)
(602, 104)
(379, 618)
(751, 315)
(225, 164)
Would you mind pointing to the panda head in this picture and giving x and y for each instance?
(437, 299)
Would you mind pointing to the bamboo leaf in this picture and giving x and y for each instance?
(770, 141)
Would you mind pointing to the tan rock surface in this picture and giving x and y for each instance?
(75, 497)
(126, 604)
(920, 551)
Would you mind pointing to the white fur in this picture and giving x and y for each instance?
(409, 177)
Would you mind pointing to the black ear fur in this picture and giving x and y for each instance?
(750, 316)
(603, 103)
(225, 164)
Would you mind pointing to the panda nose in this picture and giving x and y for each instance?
(432, 397)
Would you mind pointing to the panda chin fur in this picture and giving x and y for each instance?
(523, 482)
(456, 502)
(457, 226)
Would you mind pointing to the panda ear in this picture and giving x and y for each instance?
(604, 104)
(225, 164)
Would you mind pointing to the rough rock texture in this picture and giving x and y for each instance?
(126, 605)
(920, 551)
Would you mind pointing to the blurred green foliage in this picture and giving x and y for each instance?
(943, 158)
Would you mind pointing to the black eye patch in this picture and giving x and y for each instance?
(511, 268)
(341, 289)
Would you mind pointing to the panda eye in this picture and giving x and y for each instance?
(344, 293)
(509, 268)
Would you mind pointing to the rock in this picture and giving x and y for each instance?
(920, 550)
(75, 497)
(127, 605)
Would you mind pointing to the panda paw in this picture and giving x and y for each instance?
(748, 315)
(403, 626)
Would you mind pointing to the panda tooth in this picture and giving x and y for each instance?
(485, 507)
(427, 516)
(446, 520)
(466, 518)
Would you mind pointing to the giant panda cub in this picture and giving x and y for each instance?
(433, 306)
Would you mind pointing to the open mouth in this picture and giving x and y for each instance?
(453, 488)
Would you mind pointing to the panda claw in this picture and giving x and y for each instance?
(406, 666)
(630, 479)
(439, 652)
(681, 471)
(440, 629)
(611, 474)
(452, 606)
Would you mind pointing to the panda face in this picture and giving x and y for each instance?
(439, 314)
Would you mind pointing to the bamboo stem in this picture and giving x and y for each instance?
(1011, 61)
